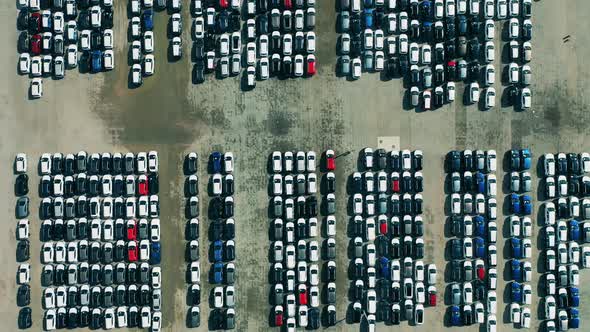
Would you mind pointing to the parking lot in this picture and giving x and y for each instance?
(171, 115)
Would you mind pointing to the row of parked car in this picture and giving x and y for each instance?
(22, 246)
(295, 254)
(563, 255)
(387, 236)
(141, 25)
(520, 237)
(327, 167)
(98, 164)
(473, 251)
(222, 252)
(192, 234)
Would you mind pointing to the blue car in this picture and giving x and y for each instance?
(525, 159)
(514, 203)
(480, 248)
(574, 295)
(516, 292)
(96, 61)
(527, 205)
(384, 263)
(217, 251)
(514, 160)
(574, 230)
(155, 253)
(216, 162)
(368, 16)
(515, 267)
(516, 245)
(148, 20)
(426, 9)
(217, 273)
(480, 181)
(480, 226)
(574, 316)
(455, 316)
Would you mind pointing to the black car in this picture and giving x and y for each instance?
(234, 21)
(450, 49)
(439, 33)
(228, 185)
(438, 98)
(474, 49)
(95, 321)
(215, 230)
(511, 95)
(287, 67)
(229, 252)
(24, 318)
(404, 65)
(381, 159)
(457, 249)
(414, 10)
(84, 317)
(229, 230)
(56, 164)
(314, 318)
(23, 250)
(427, 33)
(21, 186)
(439, 55)
(262, 24)
(463, 25)
(62, 319)
(223, 22)
(23, 295)
(311, 206)
(107, 19)
(355, 24)
(473, 70)
(330, 272)
(439, 77)
(573, 163)
(415, 76)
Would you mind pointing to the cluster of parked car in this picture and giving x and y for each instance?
(216, 27)
(141, 25)
(564, 211)
(23, 245)
(448, 39)
(521, 231)
(387, 248)
(518, 33)
(101, 240)
(473, 250)
(222, 252)
(192, 255)
(52, 32)
(295, 253)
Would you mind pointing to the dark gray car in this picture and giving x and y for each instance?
(331, 293)
(22, 207)
(194, 317)
(192, 251)
(230, 273)
(144, 273)
(277, 204)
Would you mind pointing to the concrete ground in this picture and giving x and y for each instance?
(170, 114)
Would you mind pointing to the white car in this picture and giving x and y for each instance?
(24, 274)
(95, 16)
(148, 42)
(513, 28)
(50, 321)
(24, 63)
(525, 318)
(149, 64)
(473, 92)
(488, 9)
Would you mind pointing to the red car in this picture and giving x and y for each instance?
(311, 65)
(224, 3)
(36, 44)
(383, 226)
(481, 273)
(432, 298)
(142, 185)
(35, 23)
(302, 290)
(131, 230)
(395, 182)
(278, 316)
(132, 251)
(330, 160)
(287, 4)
